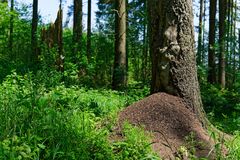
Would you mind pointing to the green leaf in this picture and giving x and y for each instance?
(41, 146)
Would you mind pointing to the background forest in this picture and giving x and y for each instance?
(62, 86)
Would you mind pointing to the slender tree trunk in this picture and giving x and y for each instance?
(119, 80)
(77, 27)
(34, 55)
(89, 31)
(144, 55)
(234, 40)
(11, 29)
(230, 42)
(59, 39)
(145, 47)
(222, 18)
(238, 49)
(173, 57)
(228, 26)
(148, 49)
(138, 67)
(203, 33)
(154, 41)
(211, 46)
(200, 34)
(127, 41)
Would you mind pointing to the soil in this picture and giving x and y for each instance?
(170, 122)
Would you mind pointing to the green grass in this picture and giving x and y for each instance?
(234, 147)
(39, 122)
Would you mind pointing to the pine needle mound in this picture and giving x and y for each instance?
(172, 124)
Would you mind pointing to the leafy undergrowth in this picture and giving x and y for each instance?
(223, 110)
(234, 147)
(222, 107)
(63, 123)
(58, 122)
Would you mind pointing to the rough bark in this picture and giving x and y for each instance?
(34, 55)
(119, 80)
(77, 26)
(172, 48)
(222, 19)
(211, 46)
(200, 34)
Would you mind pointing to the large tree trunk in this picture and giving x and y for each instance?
(77, 26)
(89, 31)
(222, 18)
(119, 80)
(211, 46)
(34, 54)
(172, 48)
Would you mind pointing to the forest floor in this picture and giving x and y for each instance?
(175, 129)
(42, 118)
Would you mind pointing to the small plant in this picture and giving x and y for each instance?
(135, 145)
(219, 145)
(188, 150)
(234, 147)
(27, 147)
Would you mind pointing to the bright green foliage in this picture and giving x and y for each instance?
(135, 145)
(4, 57)
(62, 123)
(21, 147)
(222, 106)
(234, 147)
(17, 56)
